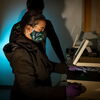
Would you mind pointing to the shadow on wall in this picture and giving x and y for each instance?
(53, 11)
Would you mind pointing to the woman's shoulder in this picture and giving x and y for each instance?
(10, 49)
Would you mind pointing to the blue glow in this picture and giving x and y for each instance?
(10, 18)
(6, 76)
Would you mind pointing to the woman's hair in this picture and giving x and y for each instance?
(30, 19)
(35, 4)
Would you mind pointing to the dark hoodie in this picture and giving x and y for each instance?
(32, 70)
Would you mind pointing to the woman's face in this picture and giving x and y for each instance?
(40, 26)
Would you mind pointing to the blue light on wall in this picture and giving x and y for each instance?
(6, 75)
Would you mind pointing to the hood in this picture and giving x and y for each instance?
(9, 49)
(22, 42)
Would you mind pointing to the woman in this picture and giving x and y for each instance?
(36, 7)
(31, 66)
